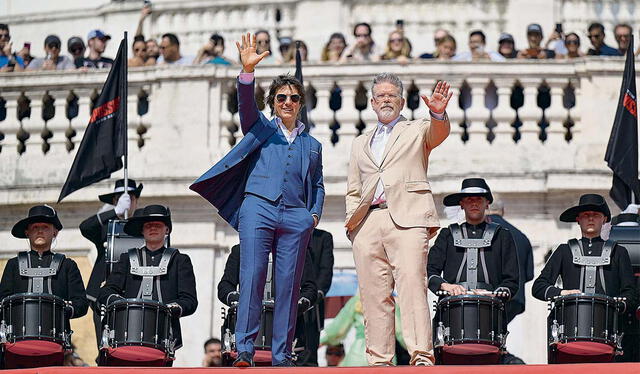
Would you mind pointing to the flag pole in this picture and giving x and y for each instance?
(125, 99)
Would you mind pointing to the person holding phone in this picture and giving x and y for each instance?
(53, 60)
(8, 61)
(535, 51)
(556, 41)
(477, 49)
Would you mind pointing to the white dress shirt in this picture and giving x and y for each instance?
(378, 143)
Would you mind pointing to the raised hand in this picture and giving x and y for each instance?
(248, 55)
(438, 101)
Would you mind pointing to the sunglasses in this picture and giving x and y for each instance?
(595, 36)
(75, 50)
(362, 35)
(263, 41)
(53, 45)
(396, 40)
(281, 98)
(5, 36)
(139, 49)
(572, 42)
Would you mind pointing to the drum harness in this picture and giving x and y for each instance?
(149, 274)
(590, 268)
(474, 249)
(36, 285)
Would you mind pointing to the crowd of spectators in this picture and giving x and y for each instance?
(337, 50)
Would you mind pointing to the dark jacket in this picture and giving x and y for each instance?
(618, 275)
(231, 278)
(94, 228)
(516, 305)
(445, 259)
(67, 283)
(604, 50)
(178, 285)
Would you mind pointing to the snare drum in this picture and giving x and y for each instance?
(138, 322)
(119, 242)
(262, 344)
(34, 316)
(584, 325)
(469, 329)
(34, 330)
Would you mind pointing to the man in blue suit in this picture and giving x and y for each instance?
(268, 187)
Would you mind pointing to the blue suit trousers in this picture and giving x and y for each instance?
(265, 227)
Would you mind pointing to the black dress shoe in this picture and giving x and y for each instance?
(285, 362)
(245, 359)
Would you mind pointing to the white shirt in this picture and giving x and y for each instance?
(378, 143)
(290, 135)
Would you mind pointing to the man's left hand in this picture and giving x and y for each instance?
(438, 101)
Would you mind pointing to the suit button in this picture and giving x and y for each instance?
(226, 166)
(289, 156)
(285, 180)
(290, 148)
(287, 164)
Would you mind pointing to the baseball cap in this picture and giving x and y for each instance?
(505, 37)
(534, 27)
(74, 40)
(52, 39)
(97, 34)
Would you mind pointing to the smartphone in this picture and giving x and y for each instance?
(559, 28)
(400, 24)
(27, 45)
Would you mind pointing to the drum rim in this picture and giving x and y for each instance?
(584, 296)
(137, 301)
(25, 295)
(452, 342)
(486, 298)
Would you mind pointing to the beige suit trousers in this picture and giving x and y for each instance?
(387, 256)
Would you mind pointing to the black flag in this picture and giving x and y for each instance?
(303, 110)
(622, 150)
(104, 141)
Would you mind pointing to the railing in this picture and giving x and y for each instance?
(548, 114)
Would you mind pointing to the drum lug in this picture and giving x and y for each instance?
(618, 339)
(3, 332)
(556, 330)
(441, 333)
(502, 338)
(106, 334)
(227, 339)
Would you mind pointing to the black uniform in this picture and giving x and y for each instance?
(516, 305)
(67, 283)
(618, 276)
(321, 247)
(500, 261)
(177, 286)
(228, 286)
(94, 228)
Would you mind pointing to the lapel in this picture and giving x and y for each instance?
(399, 127)
(306, 153)
(367, 146)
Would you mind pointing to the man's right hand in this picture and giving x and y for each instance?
(249, 58)
(569, 292)
(7, 49)
(453, 289)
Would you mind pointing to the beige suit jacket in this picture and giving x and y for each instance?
(403, 171)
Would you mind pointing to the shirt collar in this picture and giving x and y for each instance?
(298, 129)
(390, 124)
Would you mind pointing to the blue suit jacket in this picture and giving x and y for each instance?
(223, 185)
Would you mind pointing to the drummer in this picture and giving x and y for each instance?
(497, 265)
(94, 228)
(177, 284)
(41, 228)
(615, 280)
(496, 272)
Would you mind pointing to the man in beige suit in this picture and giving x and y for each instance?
(391, 216)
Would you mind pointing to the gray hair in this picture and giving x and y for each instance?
(387, 78)
(497, 206)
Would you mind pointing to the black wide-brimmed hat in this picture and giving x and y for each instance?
(588, 203)
(119, 189)
(470, 187)
(150, 213)
(37, 214)
(627, 219)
